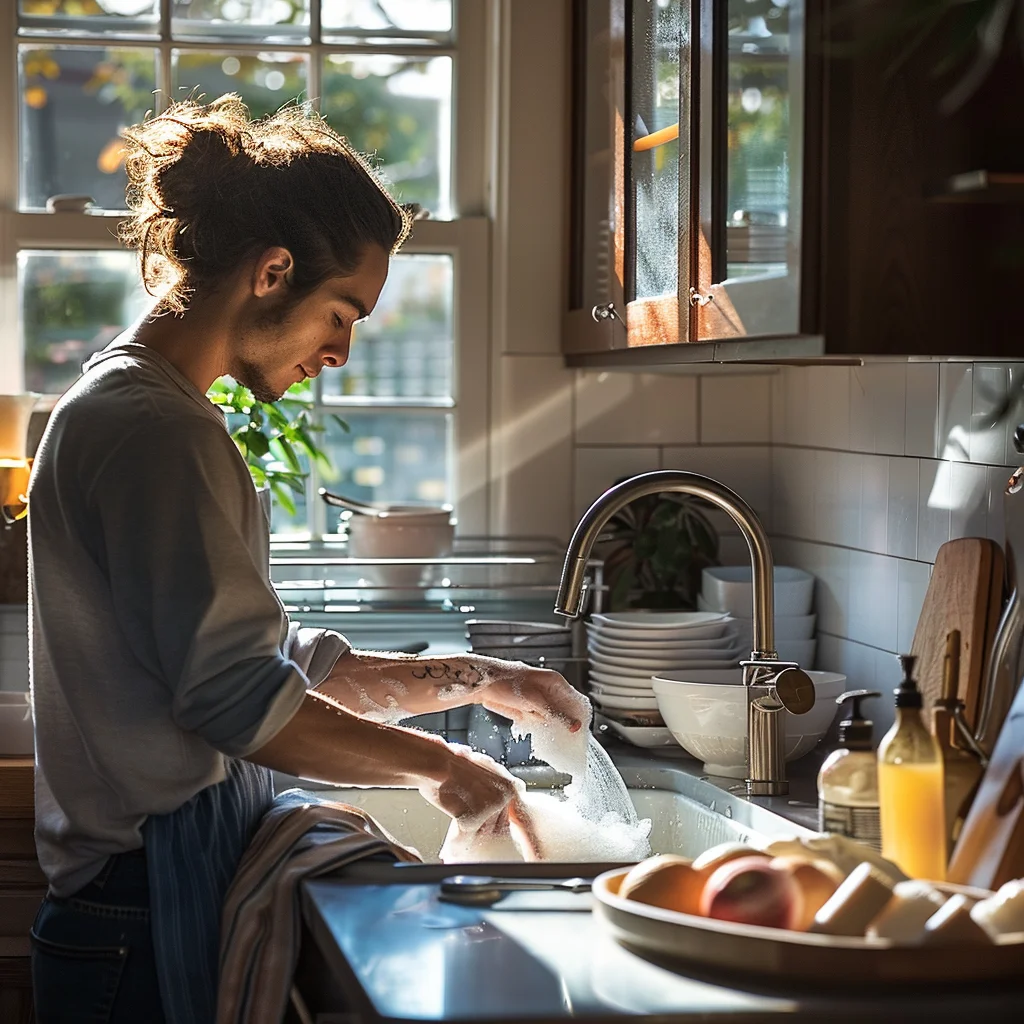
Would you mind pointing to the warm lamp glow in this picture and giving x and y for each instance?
(14, 476)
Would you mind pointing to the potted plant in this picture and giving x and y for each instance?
(274, 438)
(655, 551)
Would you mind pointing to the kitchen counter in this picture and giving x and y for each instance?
(380, 946)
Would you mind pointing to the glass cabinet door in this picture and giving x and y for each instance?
(753, 131)
(658, 249)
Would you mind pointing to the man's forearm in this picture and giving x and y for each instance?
(326, 743)
(395, 686)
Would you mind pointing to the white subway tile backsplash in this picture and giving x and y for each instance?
(628, 408)
(847, 530)
(598, 468)
(904, 489)
(828, 402)
(780, 434)
(968, 500)
(887, 384)
(912, 583)
(873, 599)
(933, 519)
(922, 409)
(826, 497)
(988, 434)
(735, 409)
(956, 407)
(874, 502)
(747, 470)
(862, 420)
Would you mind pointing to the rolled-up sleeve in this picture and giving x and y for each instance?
(179, 520)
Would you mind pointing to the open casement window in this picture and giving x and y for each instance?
(401, 79)
(688, 151)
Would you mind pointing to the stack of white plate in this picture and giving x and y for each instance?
(727, 588)
(627, 649)
(536, 643)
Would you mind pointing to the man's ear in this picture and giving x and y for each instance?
(272, 272)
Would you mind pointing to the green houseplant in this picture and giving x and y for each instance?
(274, 438)
(655, 550)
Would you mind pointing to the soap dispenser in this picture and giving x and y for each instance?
(848, 780)
(911, 788)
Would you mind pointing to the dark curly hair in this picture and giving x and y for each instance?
(208, 187)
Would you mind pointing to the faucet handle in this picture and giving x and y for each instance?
(794, 690)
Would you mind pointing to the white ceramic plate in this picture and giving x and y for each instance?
(626, 703)
(680, 662)
(651, 646)
(639, 735)
(633, 682)
(607, 690)
(657, 620)
(709, 631)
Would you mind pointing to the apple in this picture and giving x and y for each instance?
(665, 881)
(753, 890)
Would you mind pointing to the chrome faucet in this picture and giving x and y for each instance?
(773, 687)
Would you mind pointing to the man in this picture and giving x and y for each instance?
(167, 679)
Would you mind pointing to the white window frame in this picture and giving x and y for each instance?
(466, 237)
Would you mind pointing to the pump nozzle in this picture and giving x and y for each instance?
(856, 732)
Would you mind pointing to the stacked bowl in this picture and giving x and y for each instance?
(536, 643)
(627, 649)
(728, 588)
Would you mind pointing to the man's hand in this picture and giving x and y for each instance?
(528, 695)
(472, 789)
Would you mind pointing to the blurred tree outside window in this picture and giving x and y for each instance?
(88, 68)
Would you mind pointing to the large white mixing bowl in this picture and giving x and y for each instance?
(707, 714)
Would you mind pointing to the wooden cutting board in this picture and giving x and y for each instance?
(990, 850)
(965, 593)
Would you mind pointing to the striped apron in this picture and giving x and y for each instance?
(192, 856)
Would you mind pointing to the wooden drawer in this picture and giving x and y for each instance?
(17, 787)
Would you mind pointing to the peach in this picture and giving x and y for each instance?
(710, 860)
(816, 879)
(665, 881)
(753, 890)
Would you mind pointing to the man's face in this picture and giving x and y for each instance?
(285, 343)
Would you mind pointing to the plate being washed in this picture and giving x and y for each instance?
(788, 956)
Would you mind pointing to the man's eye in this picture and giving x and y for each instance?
(337, 321)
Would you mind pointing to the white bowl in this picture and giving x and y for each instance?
(16, 739)
(727, 588)
(708, 716)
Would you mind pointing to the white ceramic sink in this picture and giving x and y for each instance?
(688, 814)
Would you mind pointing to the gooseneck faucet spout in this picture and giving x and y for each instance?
(773, 687)
(570, 591)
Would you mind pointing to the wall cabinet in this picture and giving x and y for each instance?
(770, 180)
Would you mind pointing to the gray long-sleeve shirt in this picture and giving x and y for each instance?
(158, 644)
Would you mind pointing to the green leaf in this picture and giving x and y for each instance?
(257, 442)
(283, 497)
(341, 423)
(288, 451)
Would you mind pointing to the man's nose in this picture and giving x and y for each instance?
(336, 354)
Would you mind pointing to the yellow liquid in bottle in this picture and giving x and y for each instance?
(913, 818)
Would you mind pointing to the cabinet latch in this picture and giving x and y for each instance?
(699, 298)
(607, 312)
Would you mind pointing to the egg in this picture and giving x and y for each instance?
(817, 881)
(665, 881)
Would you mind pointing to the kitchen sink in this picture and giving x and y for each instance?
(689, 813)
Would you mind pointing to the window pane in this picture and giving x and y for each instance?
(266, 20)
(391, 19)
(391, 457)
(399, 109)
(88, 17)
(74, 102)
(72, 305)
(265, 81)
(405, 349)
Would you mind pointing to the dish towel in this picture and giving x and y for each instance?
(302, 836)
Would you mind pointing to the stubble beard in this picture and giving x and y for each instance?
(266, 330)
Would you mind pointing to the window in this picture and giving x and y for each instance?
(402, 79)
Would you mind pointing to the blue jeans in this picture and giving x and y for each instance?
(92, 953)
